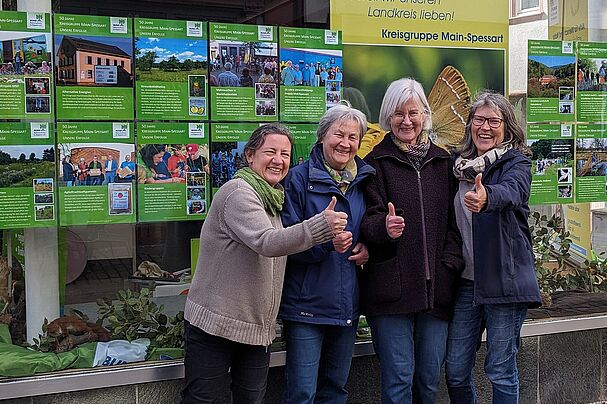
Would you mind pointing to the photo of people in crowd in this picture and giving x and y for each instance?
(242, 64)
(25, 54)
(226, 159)
(265, 107)
(171, 163)
(97, 61)
(92, 164)
(263, 90)
(310, 67)
(550, 155)
(592, 74)
(591, 157)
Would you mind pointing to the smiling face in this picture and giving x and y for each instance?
(271, 161)
(484, 136)
(340, 143)
(407, 121)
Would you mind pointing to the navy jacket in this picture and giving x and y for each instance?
(504, 270)
(321, 285)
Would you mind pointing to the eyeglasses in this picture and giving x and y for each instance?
(413, 115)
(494, 123)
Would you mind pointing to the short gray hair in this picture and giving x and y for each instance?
(340, 113)
(513, 132)
(227, 66)
(399, 92)
(258, 137)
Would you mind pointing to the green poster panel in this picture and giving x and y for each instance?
(173, 171)
(27, 175)
(227, 150)
(591, 163)
(304, 138)
(550, 81)
(239, 54)
(96, 173)
(591, 78)
(94, 63)
(311, 74)
(171, 69)
(25, 71)
(552, 163)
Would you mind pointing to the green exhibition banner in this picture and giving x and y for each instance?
(304, 138)
(172, 171)
(591, 163)
(27, 175)
(311, 74)
(227, 150)
(239, 55)
(550, 81)
(171, 69)
(93, 62)
(552, 163)
(96, 173)
(591, 97)
(25, 71)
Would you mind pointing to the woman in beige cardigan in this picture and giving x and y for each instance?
(233, 302)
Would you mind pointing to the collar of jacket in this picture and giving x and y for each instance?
(511, 154)
(318, 173)
(387, 149)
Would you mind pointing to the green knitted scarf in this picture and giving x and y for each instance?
(272, 198)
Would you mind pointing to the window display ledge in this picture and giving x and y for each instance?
(76, 380)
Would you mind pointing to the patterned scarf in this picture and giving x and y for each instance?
(272, 198)
(467, 169)
(344, 177)
(415, 152)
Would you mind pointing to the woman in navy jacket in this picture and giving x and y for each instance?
(319, 305)
(498, 283)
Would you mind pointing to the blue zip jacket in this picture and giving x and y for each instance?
(321, 285)
(504, 270)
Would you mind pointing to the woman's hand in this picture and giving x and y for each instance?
(337, 220)
(342, 242)
(360, 254)
(476, 200)
(395, 225)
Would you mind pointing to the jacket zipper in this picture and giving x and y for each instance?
(424, 241)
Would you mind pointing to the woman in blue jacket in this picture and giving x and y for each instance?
(498, 283)
(319, 305)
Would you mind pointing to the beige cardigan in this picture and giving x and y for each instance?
(236, 290)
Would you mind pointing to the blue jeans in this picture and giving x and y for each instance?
(210, 361)
(318, 362)
(503, 324)
(411, 350)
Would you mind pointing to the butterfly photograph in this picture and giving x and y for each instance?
(450, 78)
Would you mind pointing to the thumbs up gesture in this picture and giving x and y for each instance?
(476, 199)
(337, 220)
(394, 224)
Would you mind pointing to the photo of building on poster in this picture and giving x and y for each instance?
(550, 81)
(173, 171)
(304, 139)
(311, 73)
(93, 67)
(27, 175)
(227, 150)
(552, 163)
(591, 163)
(591, 81)
(171, 69)
(96, 173)
(244, 72)
(25, 66)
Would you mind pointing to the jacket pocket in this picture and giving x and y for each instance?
(382, 283)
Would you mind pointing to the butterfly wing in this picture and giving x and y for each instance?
(449, 101)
